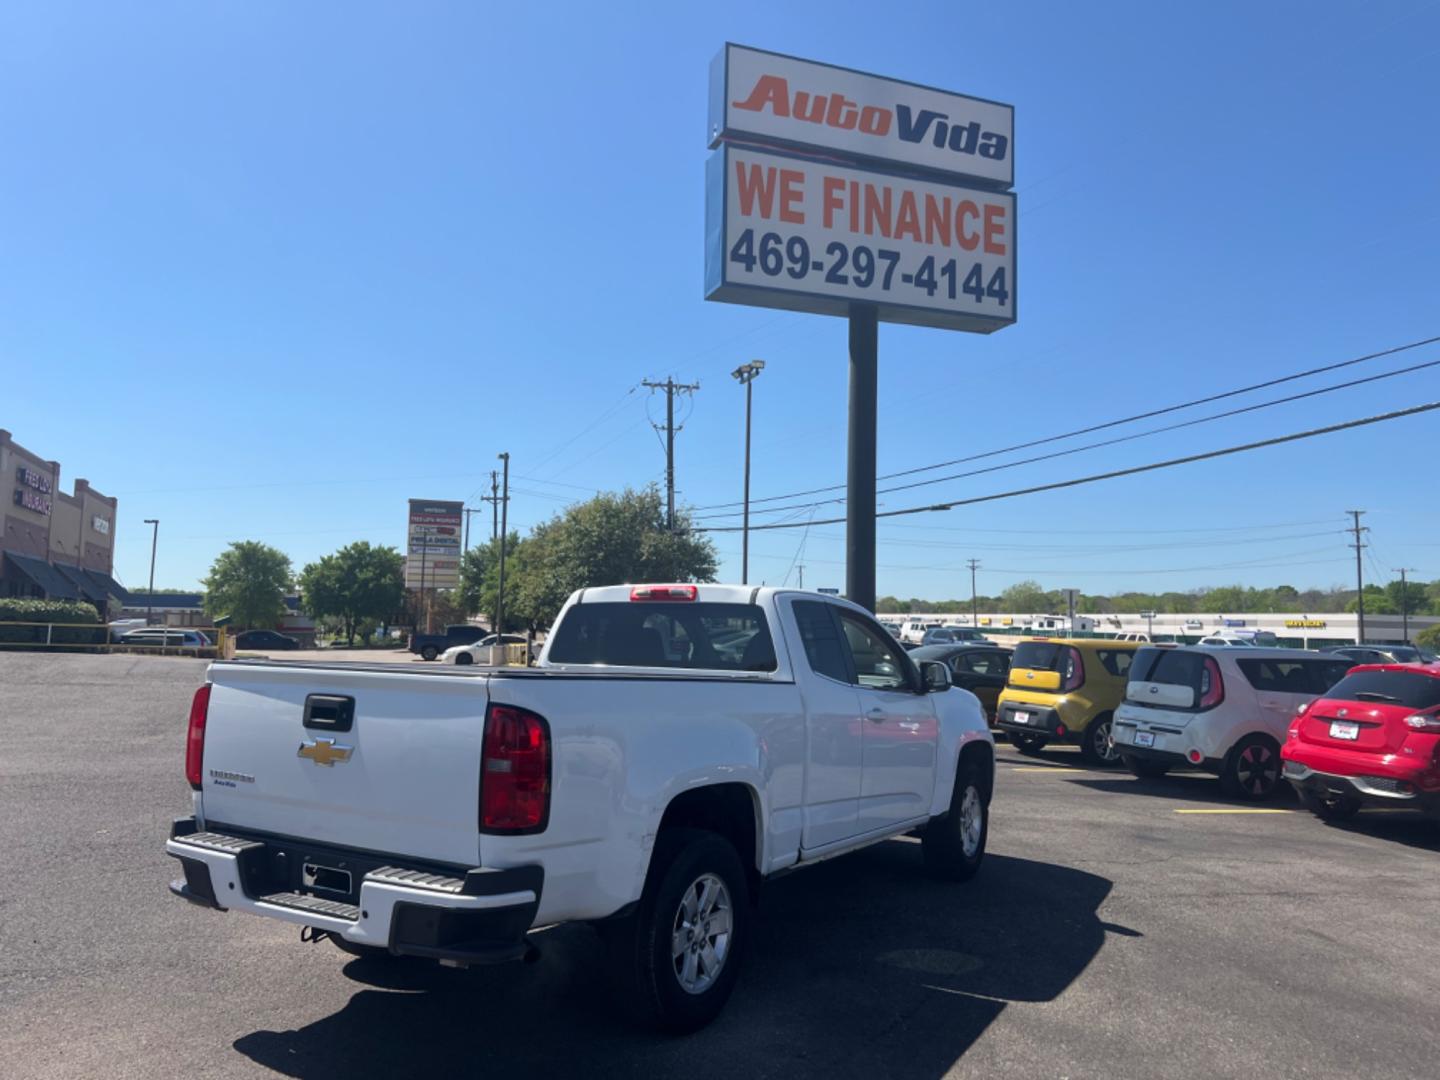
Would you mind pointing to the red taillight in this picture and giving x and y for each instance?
(1074, 670)
(1424, 725)
(195, 737)
(514, 771)
(664, 592)
(1212, 686)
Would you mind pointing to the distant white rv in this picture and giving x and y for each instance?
(1059, 624)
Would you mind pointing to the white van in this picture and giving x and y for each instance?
(913, 632)
(1218, 708)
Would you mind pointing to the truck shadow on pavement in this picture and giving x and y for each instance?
(860, 966)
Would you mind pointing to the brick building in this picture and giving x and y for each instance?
(54, 544)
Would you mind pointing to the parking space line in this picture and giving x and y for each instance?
(1233, 810)
(1061, 770)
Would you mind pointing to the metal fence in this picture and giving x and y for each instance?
(90, 637)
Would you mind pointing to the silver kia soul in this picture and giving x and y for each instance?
(1220, 709)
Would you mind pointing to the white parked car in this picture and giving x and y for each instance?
(676, 746)
(477, 652)
(1133, 635)
(1218, 708)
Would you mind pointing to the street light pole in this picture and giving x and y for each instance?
(500, 589)
(746, 374)
(154, 541)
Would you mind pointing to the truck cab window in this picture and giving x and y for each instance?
(878, 662)
(821, 640)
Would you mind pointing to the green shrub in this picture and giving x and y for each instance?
(50, 611)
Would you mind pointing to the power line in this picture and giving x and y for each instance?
(1117, 473)
(1108, 424)
(1121, 439)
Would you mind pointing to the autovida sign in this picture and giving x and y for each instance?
(771, 98)
(830, 188)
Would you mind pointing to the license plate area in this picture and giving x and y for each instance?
(1020, 717)
(1341, 729)
(1144, 738)
(325, 878)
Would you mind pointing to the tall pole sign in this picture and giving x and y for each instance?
(841, 193)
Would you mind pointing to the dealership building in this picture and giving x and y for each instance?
(52, 544)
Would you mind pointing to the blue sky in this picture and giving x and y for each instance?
(272, 269)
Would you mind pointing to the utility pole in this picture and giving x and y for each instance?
(154, 540)
(500, 591)
(974, 565)
(1405, 601)
(494, 500)
(671, 388)
(1359, 575)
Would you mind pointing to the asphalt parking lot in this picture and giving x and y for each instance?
(1119, 928)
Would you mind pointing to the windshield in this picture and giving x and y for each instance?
(1038, 655)
(1413, 690)
(724, 637)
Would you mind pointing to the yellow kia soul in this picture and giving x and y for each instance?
(1065, 691)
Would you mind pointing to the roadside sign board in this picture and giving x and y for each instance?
(773, 98)
(432, 553)
(785, 231)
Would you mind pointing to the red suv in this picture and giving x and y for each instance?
(1373, 738)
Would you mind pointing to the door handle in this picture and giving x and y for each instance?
(877, 715)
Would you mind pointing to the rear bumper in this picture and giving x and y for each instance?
(468, 916)
(1044, 722)
(1379, 790)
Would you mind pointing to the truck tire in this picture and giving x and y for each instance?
(676, 959)
(429, 652)
(953, 844)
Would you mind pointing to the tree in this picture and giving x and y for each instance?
(1026, 598)
(359, 585)
(480, 578)
(248, 582)
(1429, 638)
(1377, 602)
(1412, 599)
(611, 539)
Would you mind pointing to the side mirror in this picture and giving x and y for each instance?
(935, 676)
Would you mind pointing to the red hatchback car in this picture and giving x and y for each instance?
(1373, 738)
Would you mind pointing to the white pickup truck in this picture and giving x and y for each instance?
(675, 746)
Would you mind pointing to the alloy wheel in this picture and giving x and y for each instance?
(700, 937)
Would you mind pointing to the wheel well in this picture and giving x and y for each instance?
(981, 755)
(726, 809)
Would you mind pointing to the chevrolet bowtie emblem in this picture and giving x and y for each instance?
(324, 752)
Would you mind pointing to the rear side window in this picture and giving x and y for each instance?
(713, 637)
(1410, 689)
(821, 639)
(1312, 677)
(1115, 661)
(1037, 655)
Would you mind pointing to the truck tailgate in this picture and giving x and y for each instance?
(410, 782)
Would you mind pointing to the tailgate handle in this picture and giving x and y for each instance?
(329, 712)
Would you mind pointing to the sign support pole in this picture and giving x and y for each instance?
(860, 470)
